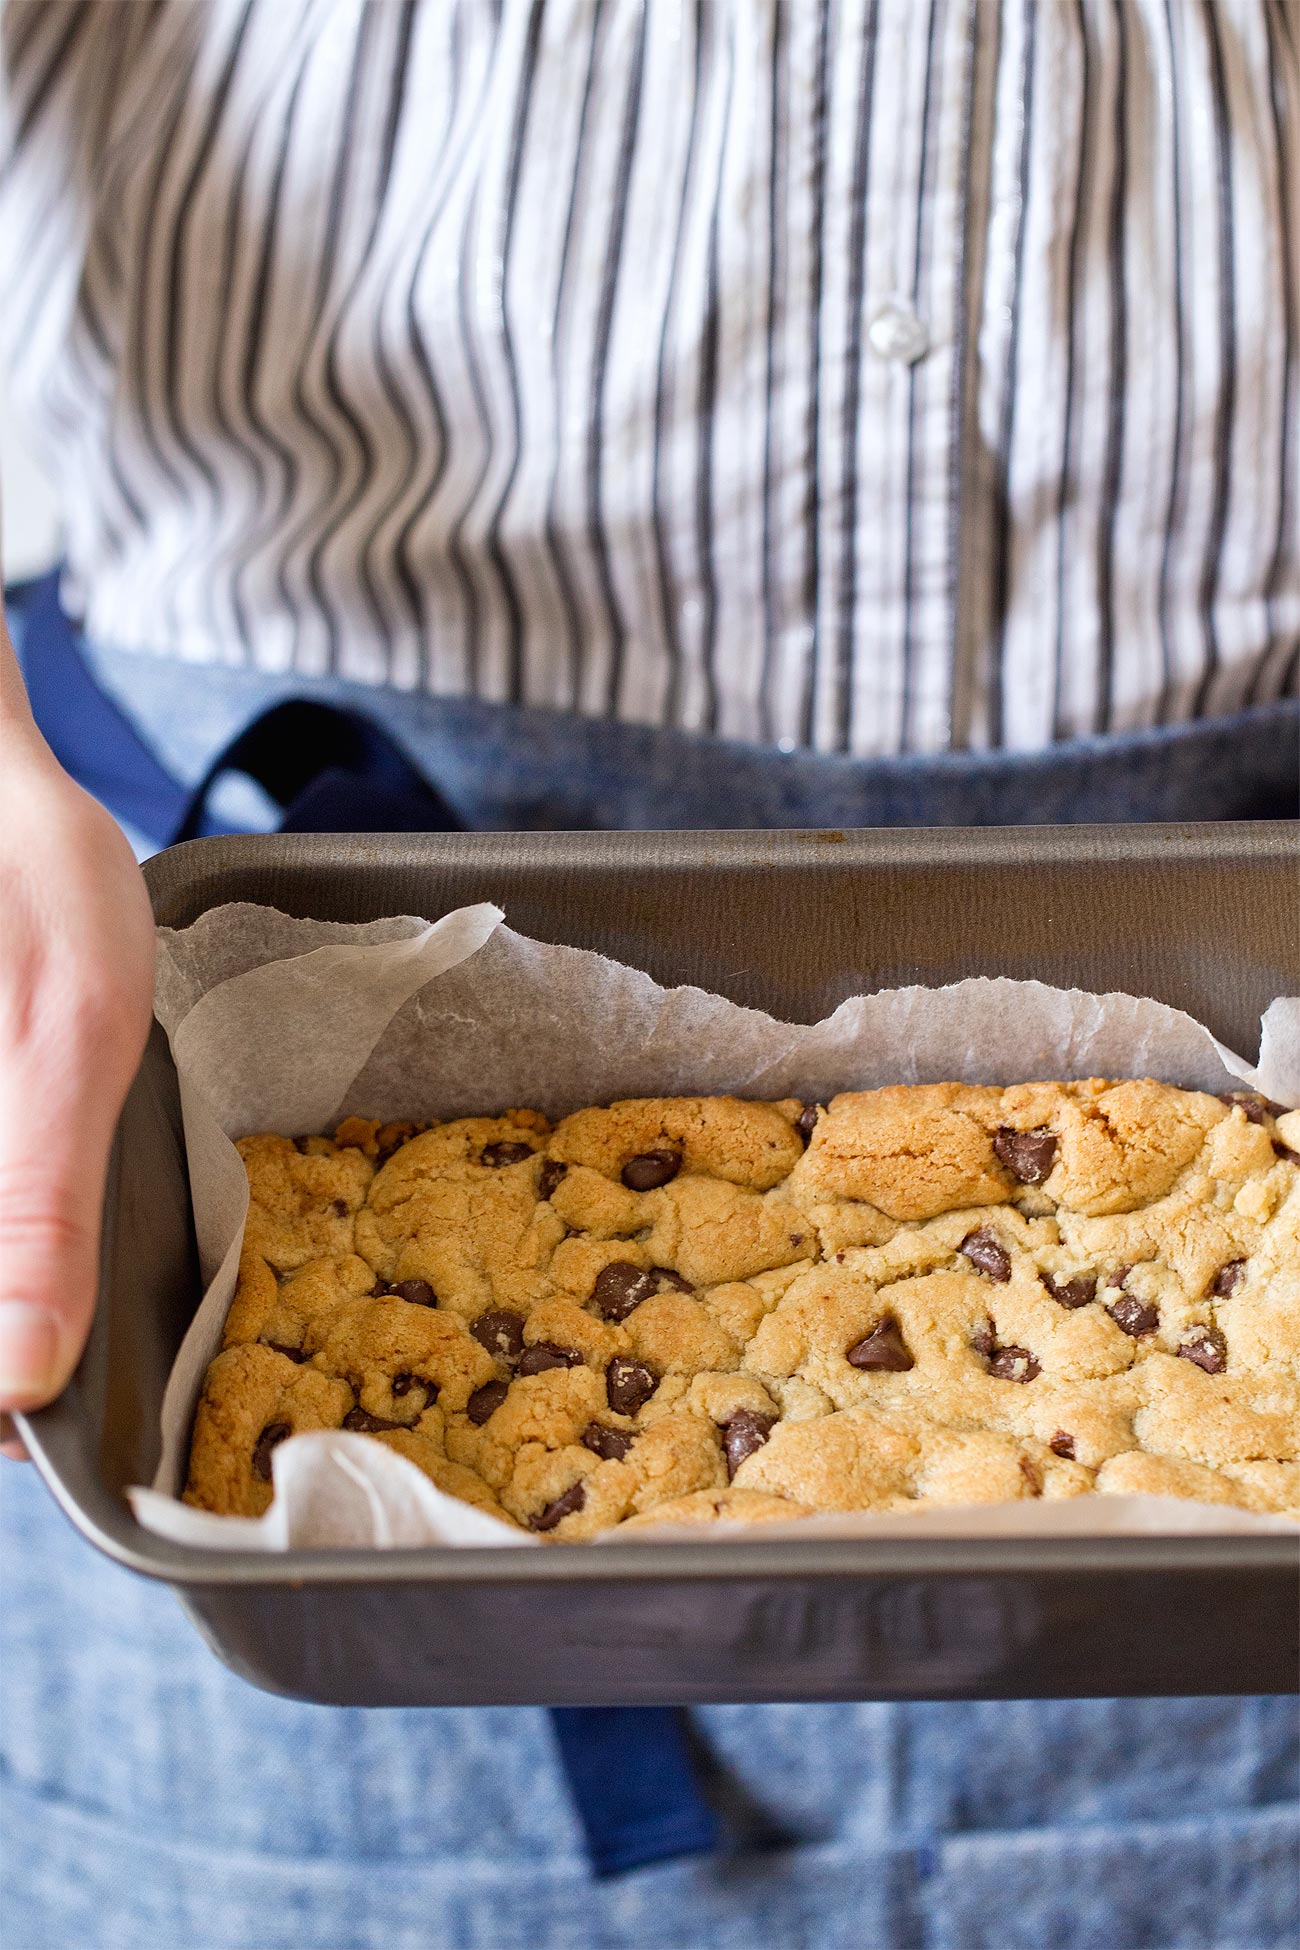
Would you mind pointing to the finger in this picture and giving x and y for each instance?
(50, 1199)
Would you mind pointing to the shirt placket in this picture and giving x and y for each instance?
(894, 335)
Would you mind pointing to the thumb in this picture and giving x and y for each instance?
(76, 983)
(51, 1194)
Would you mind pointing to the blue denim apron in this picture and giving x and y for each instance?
(152, 736)
(152, 1798)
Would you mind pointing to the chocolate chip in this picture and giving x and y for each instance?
(883, 1348)
(402, 1384)
(417, 1293)
(549, 1177)
(1133, 1315)
(984, 1251)
(298, 1354)
(665, 1277)
(1013, 1364)
(545, 1354)
(1027, 1155)
(1208, 1349)
(1285, 1151)
(563, 1506)
(610, 1444)
(1032, 1474)
(651, 1168)
(806, 1121)
(1062, 1444)
(486, 1401)
(273, 1433)
(1255, 1106)
(1072, 1293)
(505, 1154)
(629, 1384)
(984, 1339)
(1228, 1278)
(501, 1332)
(362, 1422)
(745, 1433)
(620, 1287)
(339, 1207)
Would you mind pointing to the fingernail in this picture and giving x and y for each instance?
(29, 1354)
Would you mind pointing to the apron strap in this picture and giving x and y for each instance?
(634, 1782)
(329, 770)
(93, 740)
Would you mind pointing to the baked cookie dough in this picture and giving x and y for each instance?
(701, 1308)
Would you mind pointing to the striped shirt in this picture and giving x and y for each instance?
(881, 376)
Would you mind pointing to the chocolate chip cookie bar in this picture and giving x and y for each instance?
(702, 1308)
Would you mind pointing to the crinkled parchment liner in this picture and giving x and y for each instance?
(286, 1025)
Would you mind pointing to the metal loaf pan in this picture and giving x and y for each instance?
(1201, 917)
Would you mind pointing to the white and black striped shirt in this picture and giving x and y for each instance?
(880, 375)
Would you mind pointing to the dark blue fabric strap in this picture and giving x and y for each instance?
(634, 1781)
(629, 1769)
(328, 770)
(91, 738)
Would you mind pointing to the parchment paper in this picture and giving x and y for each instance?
(287, 1025)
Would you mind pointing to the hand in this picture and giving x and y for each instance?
(76, 988)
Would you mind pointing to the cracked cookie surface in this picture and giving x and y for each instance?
(707, 1309)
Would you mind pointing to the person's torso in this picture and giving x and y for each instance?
(888, 377)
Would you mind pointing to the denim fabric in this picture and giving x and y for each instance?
(510, 770)
(150, 1798)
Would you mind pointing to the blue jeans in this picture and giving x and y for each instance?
(151, 1798)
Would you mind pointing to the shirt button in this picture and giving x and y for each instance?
(897, 333)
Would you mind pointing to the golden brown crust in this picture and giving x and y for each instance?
(749, 1144)
(251, 1394)
(671, 1308)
